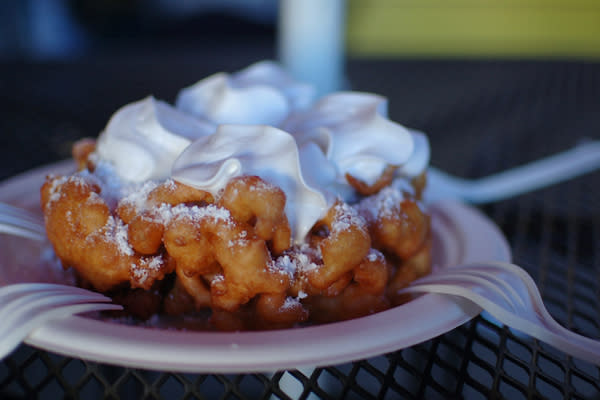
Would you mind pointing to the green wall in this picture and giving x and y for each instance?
(474, 28)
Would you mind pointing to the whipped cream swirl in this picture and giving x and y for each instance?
(230, 125)
(234, 150)
(143, 139)
(419, 159)
(262, 94)
(356, 137)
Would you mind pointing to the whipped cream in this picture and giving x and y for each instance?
(143, 139)
(234, 150)
(419, 159)
(231, 125)
(262, 94)
(355, 135)
(322, 174)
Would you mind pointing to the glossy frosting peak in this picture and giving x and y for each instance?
(235, 150)
(230, 125)
(143, 139)
(355, 135)
(261, 94)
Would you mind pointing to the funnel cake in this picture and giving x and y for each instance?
(248, 201)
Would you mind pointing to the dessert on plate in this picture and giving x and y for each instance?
(248, 200)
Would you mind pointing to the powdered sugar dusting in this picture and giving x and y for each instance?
(375, 255)
(165, 213)
(302, 295)
(94, 198)
(170, 184)
(386, 203)
(116, 231)
(146, 268)
(196, 213)
(345, 217)
(241, 240)
(290, 303)
(262, 186)
(217, 279)
(111, 184)
(54, 192)
(138, 198)
(112, 188)
(285, 263)
(298, 260)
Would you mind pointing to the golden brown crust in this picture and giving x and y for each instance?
(365, 189)
(88, 238)
(81, 151)
(227, 254)
(419, 183)
(402, 231)
(346, 244)
(253, 201)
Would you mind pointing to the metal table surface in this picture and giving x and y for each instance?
(481, 117)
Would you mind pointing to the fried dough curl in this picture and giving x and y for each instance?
(221, 254)
(221, 262)
(232, 253)
(87, 237)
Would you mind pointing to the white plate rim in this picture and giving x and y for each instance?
(465, 234)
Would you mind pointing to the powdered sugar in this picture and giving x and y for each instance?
(375, 255)
(170, 184)
(262, 186)
(241, 240)
(302, 295)
(94, 198)
(146, 268)
(116, 231)
(372, 257)
(345, 217)
(217, 279)
(290, 303)
(112, 185)
(139, 274)
(300, 259)
(112, 188)
(386, 203)
(57, 183)
(165, 213)
(285, 263)
(138, 198)
(197, 214)
(54, 193)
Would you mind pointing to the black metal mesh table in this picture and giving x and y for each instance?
(481, 117)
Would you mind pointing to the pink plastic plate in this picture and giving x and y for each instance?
(461, 235)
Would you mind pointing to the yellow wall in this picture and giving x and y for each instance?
(457, 28)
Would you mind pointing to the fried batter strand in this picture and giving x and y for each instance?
(201, 237)
(347, 242)
(171, 248)
(365, 189)
(81, 151)
(88, 238)
(365, 293)
(396, 223)
(253, 201)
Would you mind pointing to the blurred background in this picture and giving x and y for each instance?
(494, 84)
(68, 29)
(63, 29)
(67, 65)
